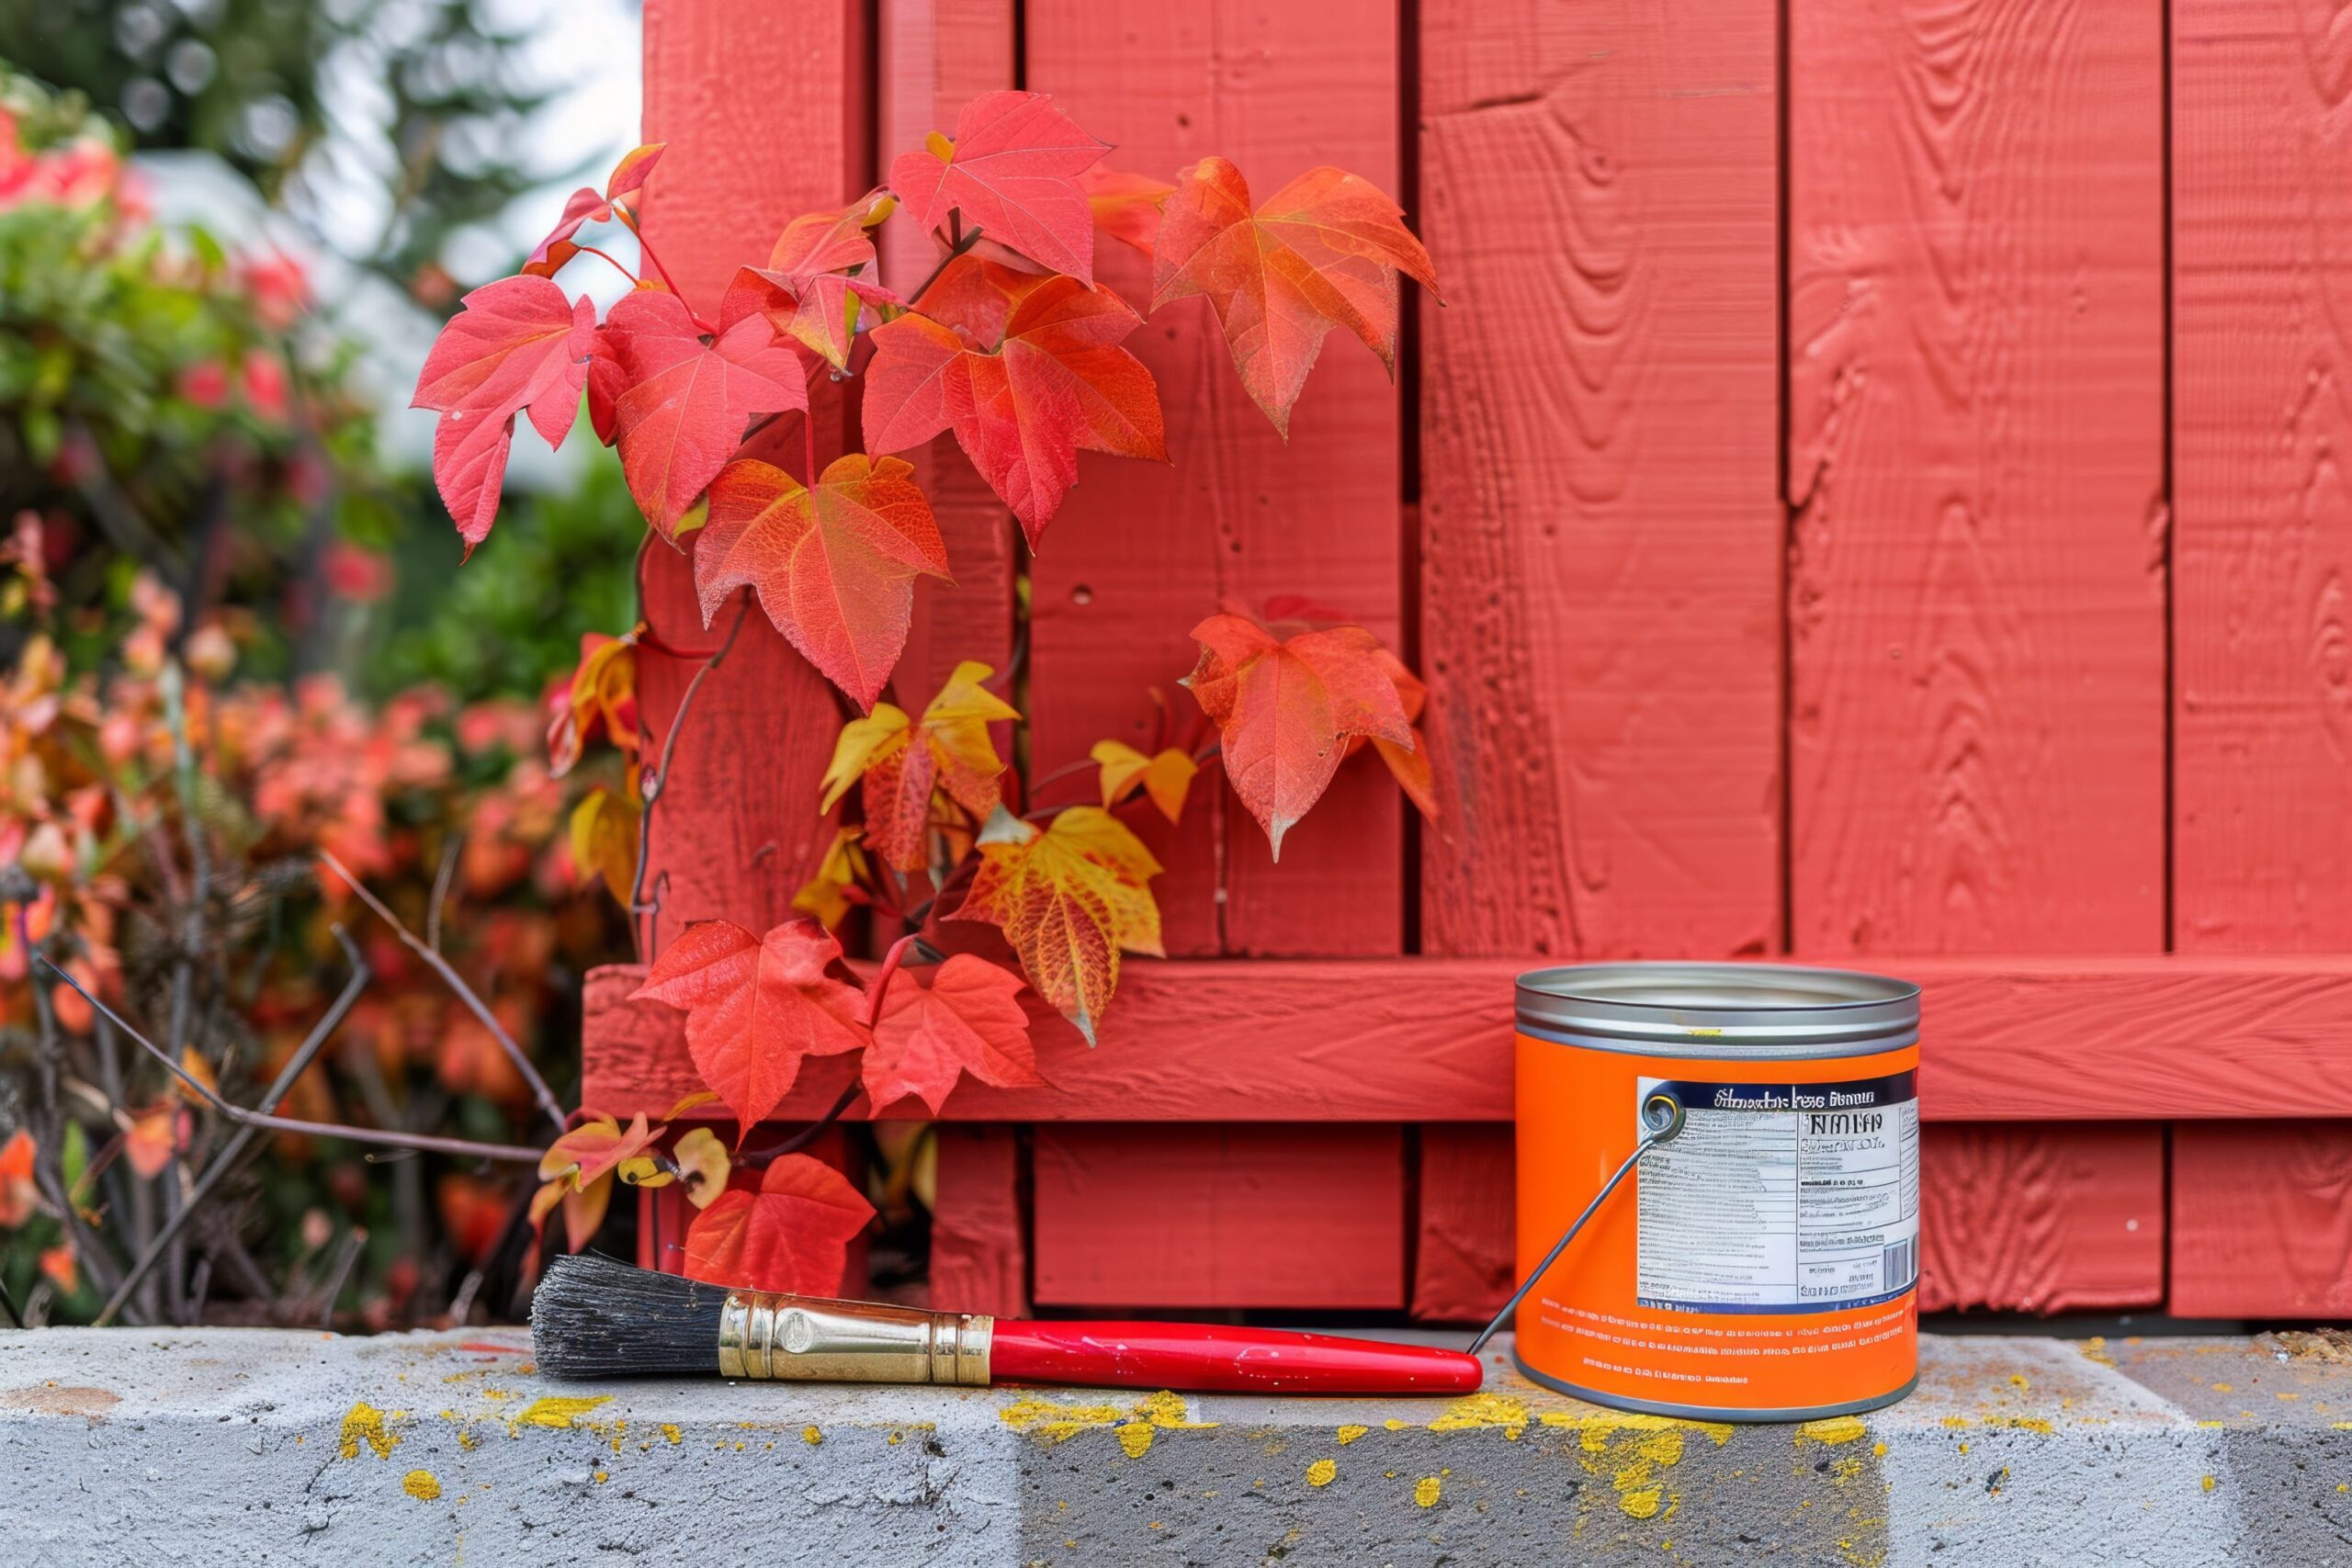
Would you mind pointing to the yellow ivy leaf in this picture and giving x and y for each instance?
(704, 1159)
(902, 781)
(823, 896)
(1166, 778)
(862, 742)
(604, 842)
(1070, 899)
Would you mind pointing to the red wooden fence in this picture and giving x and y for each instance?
(1873, 490)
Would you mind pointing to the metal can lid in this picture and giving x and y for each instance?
(1725, 1004)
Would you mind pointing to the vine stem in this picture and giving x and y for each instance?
(455, 982)
(965, 240)
(463, 1148)
(656, 786)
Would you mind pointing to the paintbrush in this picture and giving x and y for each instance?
(593, 1317)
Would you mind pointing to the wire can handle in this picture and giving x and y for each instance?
(1662, 1120)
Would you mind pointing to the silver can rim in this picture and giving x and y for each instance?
(1710, 1005)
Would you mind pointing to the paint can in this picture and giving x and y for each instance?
(1764, 1266)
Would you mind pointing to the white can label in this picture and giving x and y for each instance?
(1781, 1198)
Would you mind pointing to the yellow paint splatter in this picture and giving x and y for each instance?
(1425, 1492)
(1322, 1473)
(671, 1433)
(364, 1423)
(895, 1439)
(1059, 1423)
(1350, 1434)
(558, 1412)
(1641, 1504)
(1135, 1438)
(1479, 1410)
(812, 1436)
(2019, 1380)
(422, 1485)
(1393, 1424)
(2224, 1388)
(2206, 1483)
(1878, 1450)
(1835, 1430)
(602, 1476)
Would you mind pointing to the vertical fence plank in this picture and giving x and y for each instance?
(1600, 619)
(980, 1262)
(1141, 553)
(1976, 596)
(2262, 415)
(737, 830)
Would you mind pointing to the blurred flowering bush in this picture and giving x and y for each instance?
(181, 470)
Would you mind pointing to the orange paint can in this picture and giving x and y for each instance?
(1760, 1263)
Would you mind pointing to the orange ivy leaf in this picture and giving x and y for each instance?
(1287, 710)
(793, 1233)
(1409, 765)
(588, 205)
(969, 1019)
(819, 279)
(1024, 399)
(903, 766)
(704, 1159)
(604, 842)
(599, 701)
(1012, 169)
(594, 1147)
(515, 346)
(59, 1263)
(682, 397)
(1324, 252)
(1166, 778)
(150, 1138)
(18, 1197)
(755, 1005)
(1070, 899)
(1126, 207)
(834, 567)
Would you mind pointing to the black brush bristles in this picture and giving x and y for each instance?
(593, 1317)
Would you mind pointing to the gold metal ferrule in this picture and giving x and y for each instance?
(766, 1335)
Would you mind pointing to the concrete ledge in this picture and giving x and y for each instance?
(121, 1446)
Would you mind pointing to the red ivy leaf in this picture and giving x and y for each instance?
(819, 279)
(1323, 251)
(834, 567)
(1022, 409)
(517, 345)
(969, 1019)
(684, 398)
(1287, 710)
(1126, 207)
(755, 1005)
(792, 1235)
(585, 206)
(1012, 169)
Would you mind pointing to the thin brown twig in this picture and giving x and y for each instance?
(455, 982)
(463, 1148)
(449, 852)
(655, 787)
(226, 1160)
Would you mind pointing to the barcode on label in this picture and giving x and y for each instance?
(1897, 1262)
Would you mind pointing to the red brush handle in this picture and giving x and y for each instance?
(1206, 1357)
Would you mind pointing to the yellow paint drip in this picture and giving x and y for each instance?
(1350, 1434)
(422, 1485)
(1425, 1492)
(1641, 1504)
(1480, 1410)
(1161, 1412)
(1135, 1438)
(1835, 1430)
(364, 1423)
(1322, 1473)
(812, 1436)
(671, 1435)
(2207, 1483)
(556, 1413)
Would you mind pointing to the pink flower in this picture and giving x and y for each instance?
(265, 384)
(278, 286)
(204, 384)
(361, 576)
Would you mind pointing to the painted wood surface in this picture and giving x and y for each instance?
(737, 830)
(1976, 470)
(2262, 1220)
(2262, 616)
(1426, 1039)
(2043, 1217)
(1245, 1216)
(1141, 553)
(980, 1257)
(1464, 1234)
(1602, 542)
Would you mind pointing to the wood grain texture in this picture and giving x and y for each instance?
(1243, 1216)
(1601, 528)
(2041, 1218)
(737, 830)
(1141, 553)
(2262, 1220)
(935, 57)
(1976, 583)
(2005, 1039)
(1977, 428)
(1464, 1241)
(979, 1259)
(2262, 150)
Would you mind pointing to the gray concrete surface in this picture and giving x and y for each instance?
(217, 1446)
